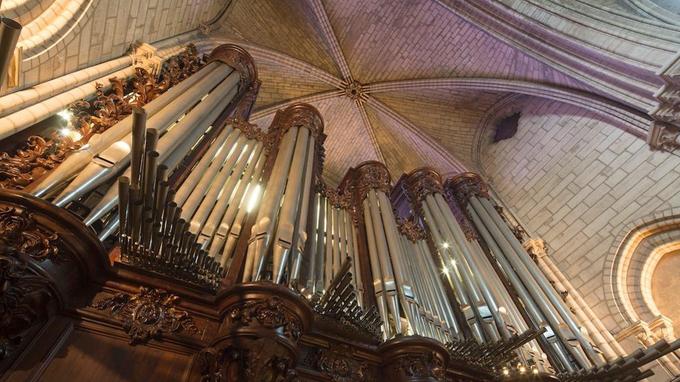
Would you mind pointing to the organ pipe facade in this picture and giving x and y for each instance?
(171, 228)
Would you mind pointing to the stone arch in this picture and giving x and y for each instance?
(630, 264)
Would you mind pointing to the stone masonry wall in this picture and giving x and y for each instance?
(578, 182)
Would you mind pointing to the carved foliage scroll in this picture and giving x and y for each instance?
(147, 315)
(110, 104)
(18, 229)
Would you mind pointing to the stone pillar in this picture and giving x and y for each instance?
(257, 340)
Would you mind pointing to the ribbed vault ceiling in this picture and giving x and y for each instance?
(408, 61)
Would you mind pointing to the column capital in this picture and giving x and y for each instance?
(463, 186)
(422, 182)
(367, 176)
(664, 136)
(664, 132)
(662, 327)
(640, 330)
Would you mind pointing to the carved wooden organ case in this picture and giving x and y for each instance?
(168, 239)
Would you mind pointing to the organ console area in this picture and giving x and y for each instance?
(156, 234)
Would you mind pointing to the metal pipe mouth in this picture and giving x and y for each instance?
(9, 23)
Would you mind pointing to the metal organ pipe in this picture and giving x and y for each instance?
(99, 142)
(383, 255)
(279, 232)
(378, 281)
(532, 309)
(284, 240)
(269, 207)
(177, 142)
(472, 261)
(542, 281)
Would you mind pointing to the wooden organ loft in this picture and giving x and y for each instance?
(160, 236)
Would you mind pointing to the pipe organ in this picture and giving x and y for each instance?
(172, 230)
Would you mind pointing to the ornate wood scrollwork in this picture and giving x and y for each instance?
(147, 315)
(423, 182)
(411, 229)
(371, 175)
(239, 59)
(24, 299)
(463, 186)
(39, 154)
(268, 313)
(414, 359)
(337, 364)
(19, 230)
(260, 362)
(258, 336)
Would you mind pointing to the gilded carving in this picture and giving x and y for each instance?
(411, 229)
(372, 175)
(421, 365)
(237, 58)
(39, 154)
(148, 315)
(19, 230)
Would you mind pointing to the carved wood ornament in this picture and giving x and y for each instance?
(147, 315)
(40, 154)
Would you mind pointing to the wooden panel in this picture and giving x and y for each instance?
(91, 357)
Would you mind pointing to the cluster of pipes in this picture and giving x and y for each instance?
(333, 243)
(448, 284)
(188, 120)
(570, 349)
(151, 234)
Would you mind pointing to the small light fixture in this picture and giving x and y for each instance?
(534, 370)
(445, 270)
(445, 245)
(522, 369)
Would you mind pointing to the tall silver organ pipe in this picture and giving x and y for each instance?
(279, 233)
(544, 305)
